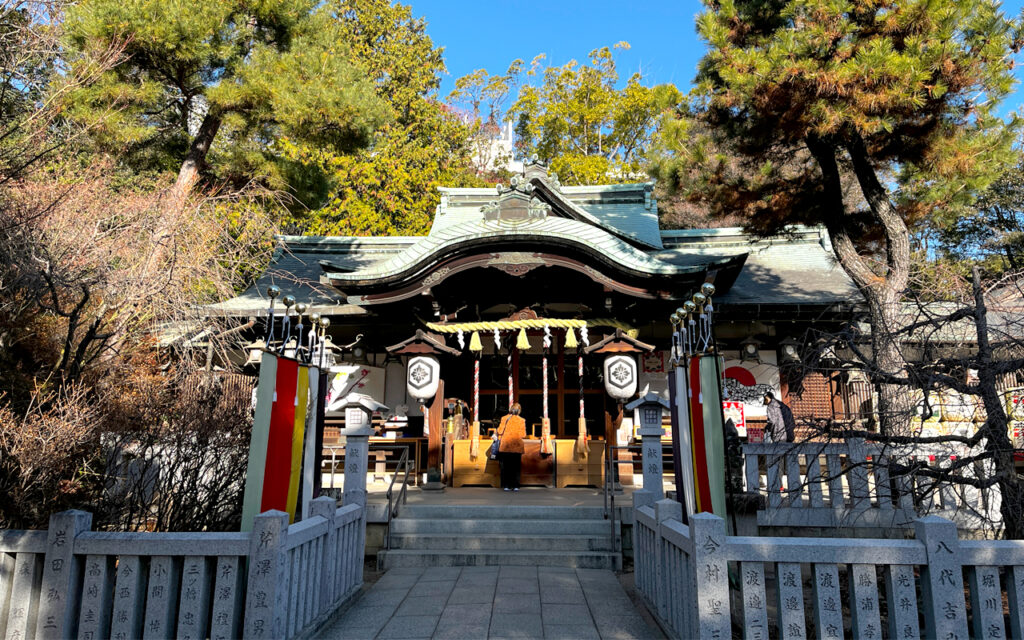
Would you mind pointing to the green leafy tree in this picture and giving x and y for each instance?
(389, 188)
(992, 230)
(220, 82)
(863, 116)
(392, 188)
(576, 119)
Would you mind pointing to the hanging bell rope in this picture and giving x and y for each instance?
(474, 431)
(581, 438)
(511, 388)
(546, 446)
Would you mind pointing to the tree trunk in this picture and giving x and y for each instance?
(895, 401)
(997, 440)
(200, 147)
(882, 291)
(170, 219)
(188, 174)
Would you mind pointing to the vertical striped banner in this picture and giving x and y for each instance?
(702, 487)
(682, 438)
(714, 434)
(298, 439)
(265, 393)
(309, 452)
(277, 471)
(318, 450)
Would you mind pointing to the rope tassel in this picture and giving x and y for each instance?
(522, 342)
(570, 339)
(581, 439)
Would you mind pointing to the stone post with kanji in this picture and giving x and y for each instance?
(651, 408)
(711, 573)
(358, 412)
(60, 593)
(266, 604)
(942, 588)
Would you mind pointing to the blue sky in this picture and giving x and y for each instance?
(489, 34)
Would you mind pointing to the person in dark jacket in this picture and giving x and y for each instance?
(781, 425)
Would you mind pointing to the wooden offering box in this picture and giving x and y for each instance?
(537, 469)
(573, 470)
(480, 470)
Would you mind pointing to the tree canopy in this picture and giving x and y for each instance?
(861, 116)
(249, 71)
(576, 118)
(390, 187)
(991, 231)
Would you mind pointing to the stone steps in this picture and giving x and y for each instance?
(394, 558)
(500, 542)
(404, 524)
(482, 535)
(501, 512)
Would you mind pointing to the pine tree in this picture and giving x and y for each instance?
(865, 116)
(220, 81)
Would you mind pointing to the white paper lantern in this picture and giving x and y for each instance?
(620, 376)
(422, 376)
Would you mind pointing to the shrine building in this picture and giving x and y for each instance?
(536, 278)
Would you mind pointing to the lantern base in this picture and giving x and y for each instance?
(433, 482)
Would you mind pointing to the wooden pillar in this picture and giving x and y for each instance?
(435, 423)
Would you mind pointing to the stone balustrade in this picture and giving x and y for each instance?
(701, 583)
(277, 581)
(852, 483)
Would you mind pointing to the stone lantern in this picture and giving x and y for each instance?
(651, 407)
(359, 409)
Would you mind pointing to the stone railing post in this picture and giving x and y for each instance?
(357, 450)
(326, 506)
(60, 594)
(266, 602)
(711, 571)
(643, 498)
(664, 510)
(654, 466)
(857, 455)
(942, 589)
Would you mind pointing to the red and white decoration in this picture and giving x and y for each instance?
(747, 382)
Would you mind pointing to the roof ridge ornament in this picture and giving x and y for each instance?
(516, 203)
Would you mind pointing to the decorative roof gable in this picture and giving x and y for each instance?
(627, 211)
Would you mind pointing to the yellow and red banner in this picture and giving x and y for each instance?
(283, 430)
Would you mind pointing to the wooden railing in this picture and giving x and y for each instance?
(278, 581)
(701, 583)
(853, 483)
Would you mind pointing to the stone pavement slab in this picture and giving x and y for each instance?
(456, 603)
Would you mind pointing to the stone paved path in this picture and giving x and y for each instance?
(493, 602)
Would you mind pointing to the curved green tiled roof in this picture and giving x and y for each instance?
(546, 230)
